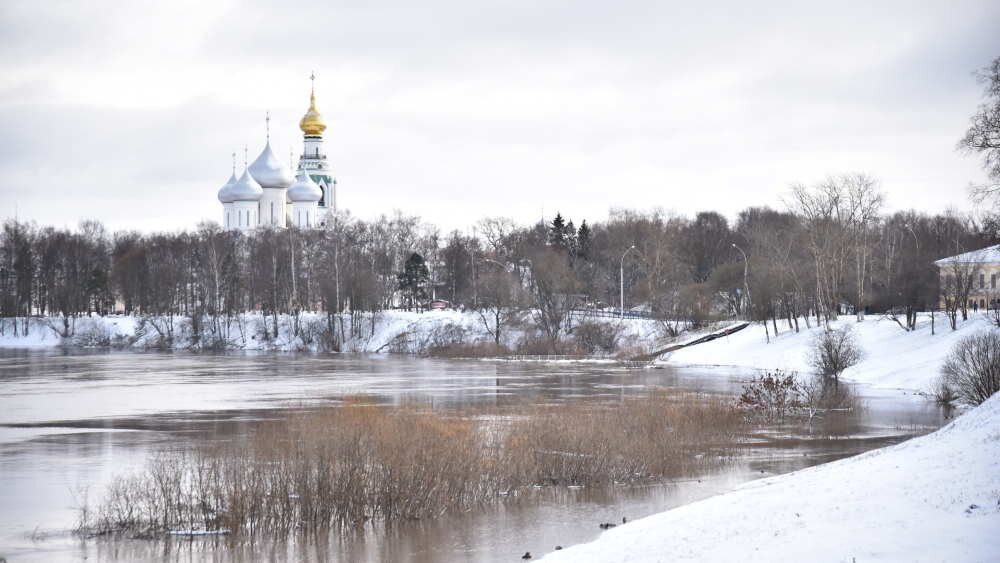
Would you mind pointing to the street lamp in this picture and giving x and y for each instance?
(621, 281)
(746, 283)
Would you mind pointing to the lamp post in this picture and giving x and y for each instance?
(621, 281)
(746, 283)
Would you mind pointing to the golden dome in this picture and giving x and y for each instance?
(312, 122)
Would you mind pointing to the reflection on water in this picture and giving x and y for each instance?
(71, 419)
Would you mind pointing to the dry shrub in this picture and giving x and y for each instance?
(316, 332)
(972, 369)
(774, 396)
(596, 337)
(943, 393)
(640, 439)
(534, 344)
(486, 349)
(363, 462)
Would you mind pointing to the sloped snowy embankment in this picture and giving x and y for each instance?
(893, 358)
(393, 331)
(933, 498)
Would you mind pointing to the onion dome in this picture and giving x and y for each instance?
(225, 192)
(269, 171)
(312, 122)
(246, 189)
(304, 189)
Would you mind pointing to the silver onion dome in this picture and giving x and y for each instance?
(225, 192)
(246, 189)
(269, 171)
(304, 189)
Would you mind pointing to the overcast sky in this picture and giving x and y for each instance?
(127, 112)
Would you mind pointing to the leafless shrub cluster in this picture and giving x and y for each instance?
(943, 393)
(534, 344)
(363, 462)
(95, 335)
(775, 396)
(597, 337)
(772, 396)
(972, 369)
(469, 350)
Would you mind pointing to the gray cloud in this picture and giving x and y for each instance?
(455, 110)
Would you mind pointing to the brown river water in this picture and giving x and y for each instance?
(70, 421)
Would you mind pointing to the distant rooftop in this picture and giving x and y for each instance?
(988, 255)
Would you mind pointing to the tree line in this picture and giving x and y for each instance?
(830, 250)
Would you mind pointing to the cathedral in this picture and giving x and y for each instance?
(269, 195)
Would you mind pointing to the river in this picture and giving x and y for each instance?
(70, 421)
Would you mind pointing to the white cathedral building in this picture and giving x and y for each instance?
(269, 195)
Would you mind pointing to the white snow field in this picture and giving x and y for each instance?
(933, 498)
(894, 358)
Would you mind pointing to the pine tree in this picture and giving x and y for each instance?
(583, 241)
(569, 235)
(413, 279)
(557, 232)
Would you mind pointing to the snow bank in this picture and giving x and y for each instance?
(893, 358)
(385, 331)
(933, 498)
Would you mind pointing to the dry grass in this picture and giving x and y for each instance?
(469, 350)
(641, 439)
(362, 462)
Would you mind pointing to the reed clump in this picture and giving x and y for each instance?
(363, 462)
(641, 439)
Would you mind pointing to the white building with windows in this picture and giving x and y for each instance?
(268, 194)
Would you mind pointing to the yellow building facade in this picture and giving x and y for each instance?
(973, 276)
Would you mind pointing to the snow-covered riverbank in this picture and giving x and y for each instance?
(385, 331)
(933, 498)
(894, 358)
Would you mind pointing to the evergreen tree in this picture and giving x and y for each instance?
(413, 279)
(569, 235)
(557, 232)
(583, 241)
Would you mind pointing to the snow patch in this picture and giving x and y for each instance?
(894, 358)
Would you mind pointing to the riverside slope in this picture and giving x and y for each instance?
(933, 498)
(893, 358)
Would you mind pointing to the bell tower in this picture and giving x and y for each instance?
(313, 159)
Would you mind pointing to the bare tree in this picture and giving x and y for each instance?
(555, 291)
(958, 277)
(838, 215)
(833, 351)
(983, 135)
(973, 367)
(501, 300)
